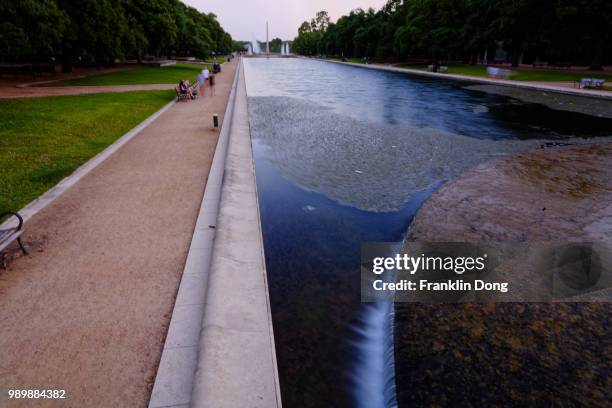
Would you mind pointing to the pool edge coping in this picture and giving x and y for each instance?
(175, 373)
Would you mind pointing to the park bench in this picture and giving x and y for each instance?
(440, 68)
(195, 90)
(498, 73)
(9, 235)
(593, 83)
(180, 96)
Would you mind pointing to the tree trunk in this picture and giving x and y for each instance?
(515, 58)
(597, 60)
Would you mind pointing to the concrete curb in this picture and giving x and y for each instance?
(488, 81)
(237, 364)
(177, 367)
(49, 196)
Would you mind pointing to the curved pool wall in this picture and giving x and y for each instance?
(346, 155)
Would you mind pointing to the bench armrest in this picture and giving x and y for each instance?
(14, 214)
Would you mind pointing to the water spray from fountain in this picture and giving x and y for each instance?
(255, 49)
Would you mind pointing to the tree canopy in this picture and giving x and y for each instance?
(560, 32)
(276, 44)
(100, 31)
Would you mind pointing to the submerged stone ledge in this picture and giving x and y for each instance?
(559, 194)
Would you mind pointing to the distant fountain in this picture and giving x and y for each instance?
(255, 48)
(285, 48)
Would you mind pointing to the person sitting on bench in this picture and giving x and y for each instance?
(185, 88)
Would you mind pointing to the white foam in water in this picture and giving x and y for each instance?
(374, 374)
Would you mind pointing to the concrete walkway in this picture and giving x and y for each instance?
(28, 92)
(88, 310)
(237, 361)
(220, 347)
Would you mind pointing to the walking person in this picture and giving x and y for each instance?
(202, 78)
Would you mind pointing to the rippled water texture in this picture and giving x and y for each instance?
(346, 155)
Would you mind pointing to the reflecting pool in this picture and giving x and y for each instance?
(346, 155)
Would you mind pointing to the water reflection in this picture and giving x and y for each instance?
(395, 99)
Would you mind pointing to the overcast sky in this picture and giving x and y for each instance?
(246, 20)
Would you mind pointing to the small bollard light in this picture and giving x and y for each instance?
(216, 120)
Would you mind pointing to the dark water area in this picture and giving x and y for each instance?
(345, 156)
(316, 276)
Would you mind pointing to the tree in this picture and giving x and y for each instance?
(559, 31)
(275, 45)
(320, 22)
(98, 32)
(94, 32)
(31, 30)
(304, 28)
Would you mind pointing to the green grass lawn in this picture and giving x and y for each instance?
(220, 59)
(556, 76)
(520, 74)
(137, 76)
(43, 140)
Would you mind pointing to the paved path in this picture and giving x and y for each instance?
(11, 92)
(88, 310)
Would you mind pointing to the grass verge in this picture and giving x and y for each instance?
(136, 76)
(220, 59)
(43, 140)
